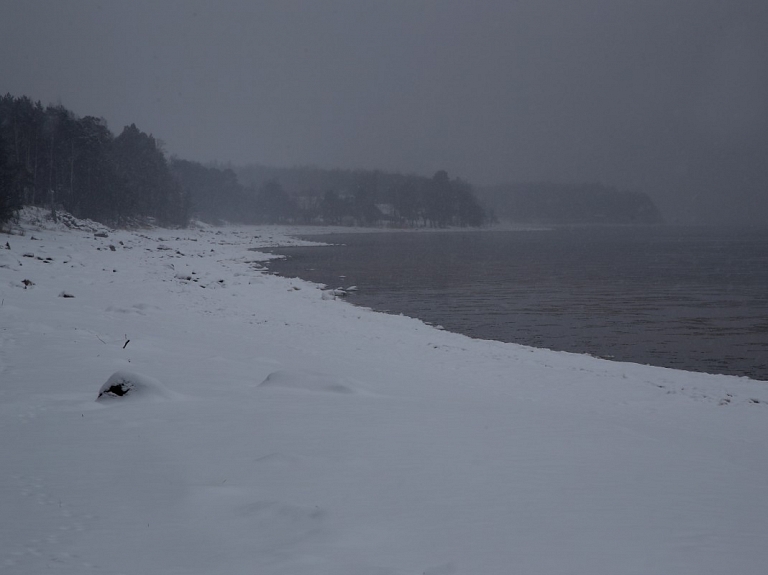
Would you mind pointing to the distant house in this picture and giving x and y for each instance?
(387, 210)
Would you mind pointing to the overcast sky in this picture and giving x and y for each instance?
(665, 96)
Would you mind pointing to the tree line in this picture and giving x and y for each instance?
(51, 157)
(306, 195)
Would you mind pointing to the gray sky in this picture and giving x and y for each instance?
(670, 97)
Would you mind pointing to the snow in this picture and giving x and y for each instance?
(307, 381)
(283, 433)
(131, 385)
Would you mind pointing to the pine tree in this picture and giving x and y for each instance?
(13, 178)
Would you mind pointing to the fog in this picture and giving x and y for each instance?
(670, 98)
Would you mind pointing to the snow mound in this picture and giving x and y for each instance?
(331, 294)
(9, 261)
(44, 219)
(307, 381)
(122, 384)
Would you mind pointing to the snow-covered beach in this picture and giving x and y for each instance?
(281, 432)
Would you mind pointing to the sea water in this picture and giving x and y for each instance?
(686, 298)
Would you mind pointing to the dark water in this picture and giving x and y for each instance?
(694, 299)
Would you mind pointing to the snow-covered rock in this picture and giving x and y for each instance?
(129, 384)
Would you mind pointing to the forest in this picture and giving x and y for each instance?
(51, 157)
(306, 195)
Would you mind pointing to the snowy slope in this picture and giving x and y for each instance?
(277, 432)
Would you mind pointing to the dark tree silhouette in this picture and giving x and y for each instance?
(215, 195)
(148, 186)
(274, 205)
(13, 179)
(78, 165)
(332, 208)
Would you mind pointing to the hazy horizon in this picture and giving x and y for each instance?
(667, 99)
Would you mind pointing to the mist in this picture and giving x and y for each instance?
(383, 286)
(666, 98)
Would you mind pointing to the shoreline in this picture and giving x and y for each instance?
(286, 433)
(398, 286)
